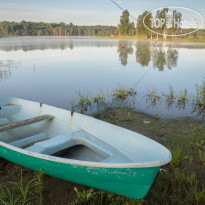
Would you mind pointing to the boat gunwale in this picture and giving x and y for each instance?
(154, 163)
(88, 163)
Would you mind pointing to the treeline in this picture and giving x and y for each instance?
(128, 28)
(125, 28)
(25, 28)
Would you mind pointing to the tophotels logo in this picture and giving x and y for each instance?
(173, 21)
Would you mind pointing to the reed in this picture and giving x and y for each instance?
(123, 92)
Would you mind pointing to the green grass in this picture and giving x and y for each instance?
(22, 193)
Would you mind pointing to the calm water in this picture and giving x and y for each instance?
(51, 70)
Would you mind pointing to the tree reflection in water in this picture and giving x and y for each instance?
(159, 55)
(124, 49)
(143, 53)
(172, 58)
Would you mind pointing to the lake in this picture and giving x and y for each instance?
(52, 70)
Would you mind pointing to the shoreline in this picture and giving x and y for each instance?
(136, 38)
(129, 38)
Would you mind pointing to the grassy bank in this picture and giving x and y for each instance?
(180, 182)
(188, 40)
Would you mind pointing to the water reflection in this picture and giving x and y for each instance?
(147, 52)
(124, 49)
(159, 55)
(29, 44)
(143, 53)
(63, 66)
(159, 58)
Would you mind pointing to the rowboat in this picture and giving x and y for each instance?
(79, 148)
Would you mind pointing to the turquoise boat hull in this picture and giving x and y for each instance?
(79, 148)
(130, 182)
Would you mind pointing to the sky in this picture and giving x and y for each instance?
(84, 12)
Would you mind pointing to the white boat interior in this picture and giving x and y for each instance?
(45, 130)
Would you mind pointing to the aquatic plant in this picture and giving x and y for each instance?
(84, 102)
(99, 97)
(73, 105)
(170, 97)
(123, 92)
(157, 116)
(153, 96)
(182, 98)
(128, 116)
(199, 100)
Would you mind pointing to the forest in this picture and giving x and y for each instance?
(25, 28)
(126, 27)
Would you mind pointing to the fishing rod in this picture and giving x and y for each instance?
(122, 9)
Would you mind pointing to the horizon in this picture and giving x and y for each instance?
(89, 13)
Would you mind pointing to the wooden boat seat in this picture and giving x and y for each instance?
(29, 140)
(25, 122)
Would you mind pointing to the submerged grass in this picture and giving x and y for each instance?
(170, 96)
(85, 101)
(153, 96)
(127, 97)
(123, 92)
(182, 98)
(199, 100)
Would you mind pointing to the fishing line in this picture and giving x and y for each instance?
(143, 76)
(123, 9)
